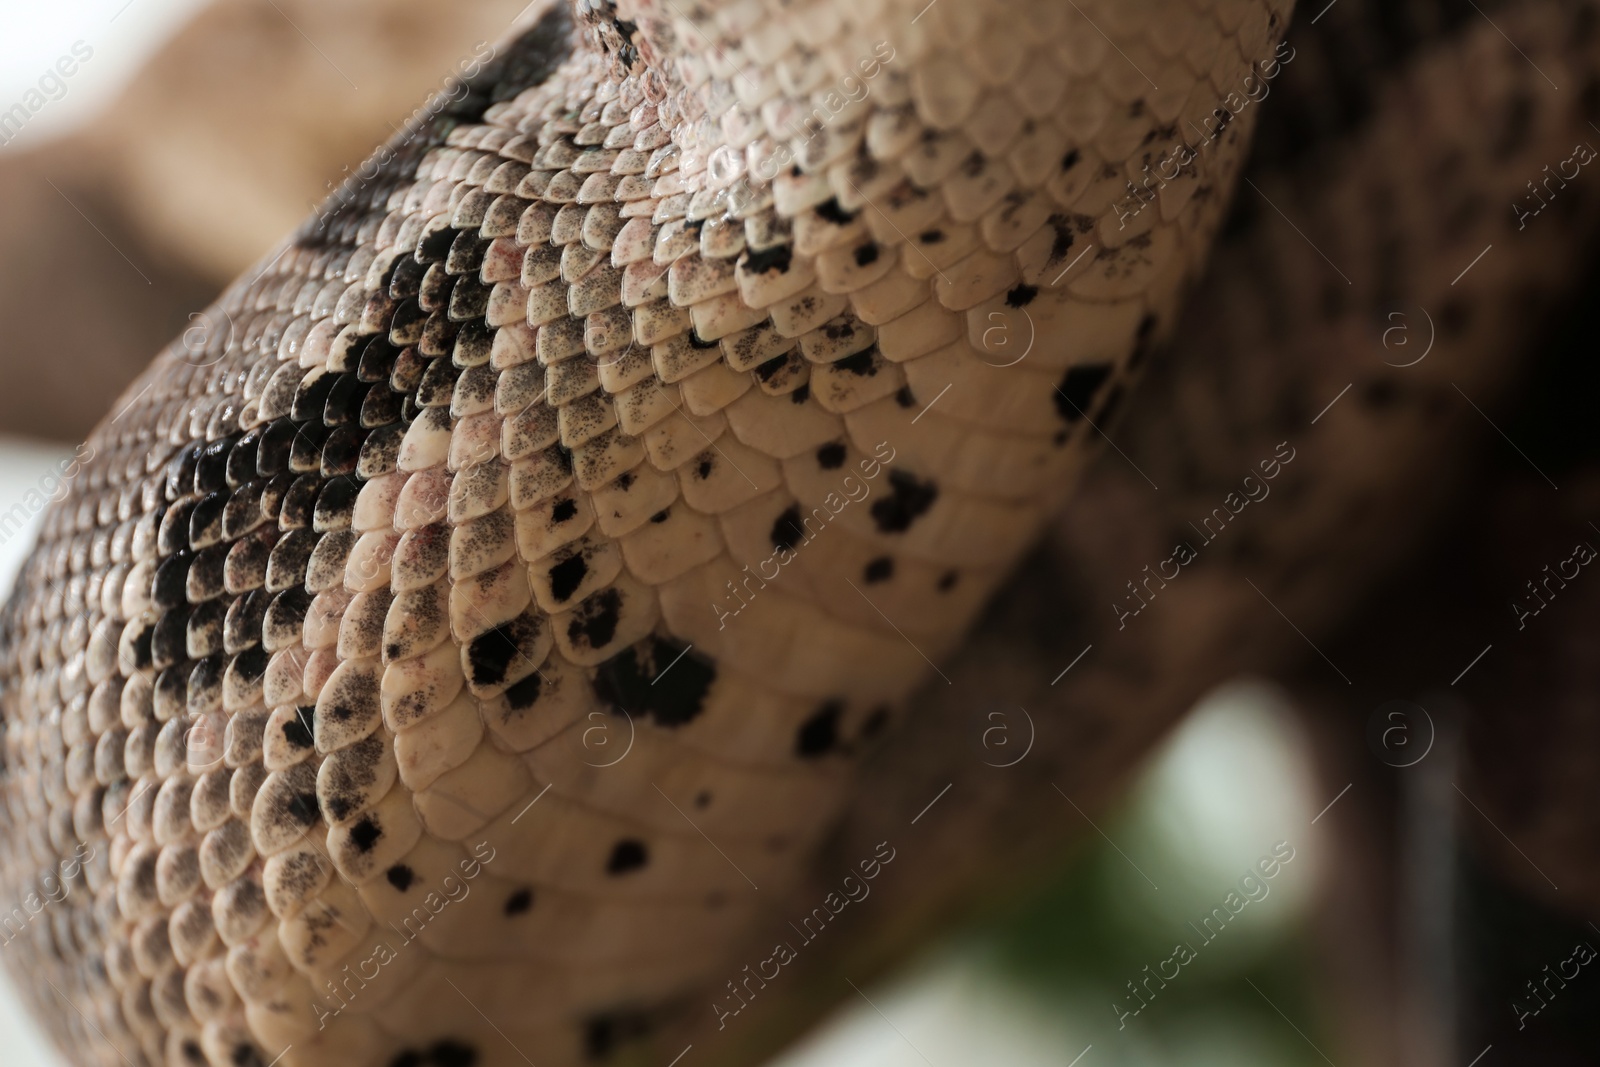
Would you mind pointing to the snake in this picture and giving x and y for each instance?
(439, 648)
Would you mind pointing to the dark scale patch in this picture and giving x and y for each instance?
(1064, 237)
(931, 237)
(1078, 388)
(909, 499)
(452, 1053)
(1070, 160)
(801, 395)
(879, 570)
(657, 678)
(787, 530)
(866, 254)
(519, 902)
(400, 876)
(595, 621)
(819, 734)
(947, 581)
(875, 724)
(776, 258)
(303, 808)
(408, 1058)
(830, 211)
(905, 397)
(603, 1033)
(525, 693)
(1021, 296)
(703, 470)
(299, 730)
(365, 834)
(490, 654)
(661, 516)
(695, 342)
(831, 456)
(566, 576)
(192, 1053)
(702, 799)
(245, 1056)
(563, 510)
(1381, 394)
(863, 364)
(627, 855)
(765, 371)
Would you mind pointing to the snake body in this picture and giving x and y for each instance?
(441, 643)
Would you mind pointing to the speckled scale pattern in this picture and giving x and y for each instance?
(594, 482)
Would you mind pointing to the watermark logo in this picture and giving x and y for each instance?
(1400, 733)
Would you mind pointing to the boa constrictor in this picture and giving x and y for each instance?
(440, 644)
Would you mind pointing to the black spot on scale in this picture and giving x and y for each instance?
(525, 693)
(192, 1053)
(863, 364)
(451, 1053)
(400, 876)
(1064, 237)
(695, 342)
(830, 211)
(831, 456)
(302, 807)
(1078, 388)
(299, 731)
(931, 237)
(246, 1056)
(566, 576)
(519, 902)
(879, 570)
(776, 258)
(1021, 296)
(905, 397)
(787, 530)
(867, 254)
(947, 581)
(564, 510)
(365, 834)
(703, 470)
(627, 855)
(408, 1058)
(765, 371)
(595, 622)
(661, 516)
(910, 498)
(819, 734)
(490, 654)
(1070, 160)
(658, 679)
(801, 395)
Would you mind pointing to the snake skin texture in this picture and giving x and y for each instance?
(440, 643)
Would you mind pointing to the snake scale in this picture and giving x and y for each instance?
(438, 646)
